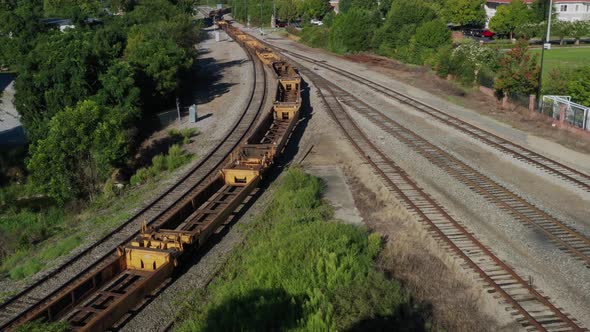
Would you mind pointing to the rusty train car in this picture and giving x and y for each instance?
(147, 262)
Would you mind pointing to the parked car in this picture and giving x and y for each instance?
(480, 33)
(281, 24)
(317, 22)
(488, 34)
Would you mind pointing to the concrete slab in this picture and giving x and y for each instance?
(338, 193)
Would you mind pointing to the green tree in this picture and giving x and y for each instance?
(540, 9)
(405, 16)
(346, 5)
(509, 17)
(158, 59)
(287, 10)
(20, 26)
(579, 29)
(351, 30)
(464, 12)
(429, 37)
(315, 8)
(579, 86)
(518, 72)
(63, 164)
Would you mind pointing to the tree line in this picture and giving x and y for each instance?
(416, 32)
(82, 93)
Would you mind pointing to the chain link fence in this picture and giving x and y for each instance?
(574, 114)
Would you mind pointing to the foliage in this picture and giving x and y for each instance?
(518, 72)
(38, 326)
(78, 10)
(530, 30)
(315, 8)
(467, 61)
(298, 271)
(82, 142)
(400, 25)
(508, 18)
(315, 36)
(428, 39)
(351, 31)
(175, 158)
(540, 9)
(287, 10)
(346, 5)
(158, 58)
(557, 81)
(121, 64)
(579, 86)
(184, 134)
(465, 12)
(26, 227)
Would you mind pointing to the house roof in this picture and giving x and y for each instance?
(531, 1)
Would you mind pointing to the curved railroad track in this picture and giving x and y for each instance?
(101, 252)
(564, 172)
(529, 306)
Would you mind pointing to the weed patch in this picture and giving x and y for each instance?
(175, 158)
(300, 270)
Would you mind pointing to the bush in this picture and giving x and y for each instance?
(299, 271)
(293, 30)
(352, 31)
(175, 158)
(183, 135)
(314, 36)
(428, 38)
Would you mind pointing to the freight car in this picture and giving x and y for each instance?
(148, 261)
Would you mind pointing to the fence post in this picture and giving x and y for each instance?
(505, 102)
(532, 103)
(562, 110)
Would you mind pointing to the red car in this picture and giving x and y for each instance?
(487, 33)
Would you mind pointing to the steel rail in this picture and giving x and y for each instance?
(188, 182)
(567, 238)
(498, 275)
(567, 173)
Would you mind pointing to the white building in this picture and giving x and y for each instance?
(566, 10)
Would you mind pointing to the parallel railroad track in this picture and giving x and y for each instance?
(529, 307)
(94, 258)
(563, 236)
(564, 172)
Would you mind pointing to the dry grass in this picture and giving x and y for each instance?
(411, 256)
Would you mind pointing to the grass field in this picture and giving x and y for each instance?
(564, 57)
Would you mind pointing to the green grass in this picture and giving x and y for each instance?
(300, 270)
(563, 57)
(175, 158)
(43, 327)
(33, 239)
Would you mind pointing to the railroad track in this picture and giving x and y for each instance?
(565, 237)
(564, 172)
(156, 212)
(529, 307)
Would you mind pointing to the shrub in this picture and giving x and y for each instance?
(314, 36)
(183, 135)
(428, 38)
(175, 158)
(299, 271)
(352, 31)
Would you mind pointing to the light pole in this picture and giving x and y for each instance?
(547, 45)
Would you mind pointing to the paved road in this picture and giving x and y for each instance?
(11, 132)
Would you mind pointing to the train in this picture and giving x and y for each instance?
(148, 261)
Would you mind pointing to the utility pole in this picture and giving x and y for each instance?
(546, 45)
